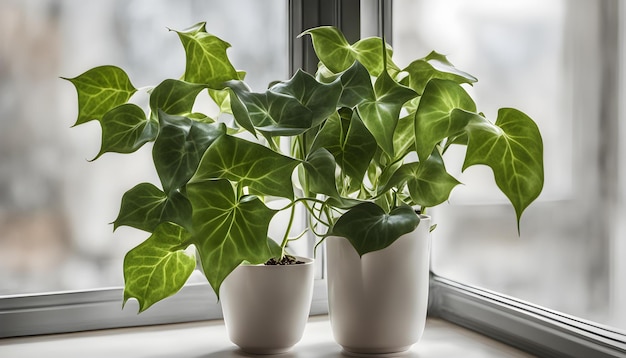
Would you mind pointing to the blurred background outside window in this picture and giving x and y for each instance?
(544, 58)
(55, 206)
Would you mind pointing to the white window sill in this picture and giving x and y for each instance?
(208, 339)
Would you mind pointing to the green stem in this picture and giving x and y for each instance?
(283, 244)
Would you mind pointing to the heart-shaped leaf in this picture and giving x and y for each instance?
(369, 228)
(263, 170)
(380, 115)
(357, 86)
(206, 58)
(158, 267)
(434, 119)
(228, 229)
(125, 129)
(432, 66)
(179, 147)
(513, 149)
(174, 97)
(320, 168)
(320, 99)
(145, 207)
(99, 90)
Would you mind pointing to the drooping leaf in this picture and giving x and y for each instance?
(369, 228)
(101, 89)
(174, 97)
(351, 144)
(320, 168)
(513, 149)
(436, 117)
(321, 99)
(125, 129)
(432, 66)
(206, 58)
(380, 115)
(263, 170)
(179, 147)
(158, 267)
(228, 229)
(428, 181)
(145, 207)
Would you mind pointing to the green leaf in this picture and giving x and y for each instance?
(179, 147)
(272, 113)
(337, 54)
(261, 169)
(432, 66)
(369, 228)
(513, 149)
(428, 182)
(101, 89)
(125, 129)
(436, 119)
(351, 144)
(145, 207)
(380, 115)
(222, 99)
(320, 168)
(158, 267)
(228, 229)
(357, 86)
(174, 97)
(206, 58)
(321, 99)
(404, 136)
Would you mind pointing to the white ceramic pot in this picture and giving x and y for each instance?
(266, 307)
(377, 303)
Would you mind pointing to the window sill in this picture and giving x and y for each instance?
(207, 339)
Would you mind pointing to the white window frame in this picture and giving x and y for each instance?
(523, 325)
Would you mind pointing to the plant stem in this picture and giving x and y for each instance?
(283, 244)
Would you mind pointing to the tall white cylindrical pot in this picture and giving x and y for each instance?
(266, 307)
(377, 302)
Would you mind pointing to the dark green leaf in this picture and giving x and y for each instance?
(261, 169)
(100, 90)
(158, 267)
(228, 229)
(320, 168)
(179, 147)
(174, 97)
(513, 149)
(357, 86)
(125, 129)
(369, 228)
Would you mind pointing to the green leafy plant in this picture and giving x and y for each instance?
(360, 145)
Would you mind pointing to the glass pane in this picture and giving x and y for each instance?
(544, 59)
(55, 206)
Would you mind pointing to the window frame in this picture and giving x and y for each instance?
(520, 324)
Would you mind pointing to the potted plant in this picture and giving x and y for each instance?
(360, 145)
(214, 198)
(379, 164)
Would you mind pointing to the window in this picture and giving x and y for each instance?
(556, 61)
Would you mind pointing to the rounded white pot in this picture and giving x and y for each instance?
(377, 302)
(266, 307)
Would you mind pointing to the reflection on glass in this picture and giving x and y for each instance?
(524, 54)
(55, 206)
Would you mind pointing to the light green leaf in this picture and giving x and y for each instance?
(261, 169)
(206, 58)
(145, 207)
(432, 66)
(179, 147)
(369, 228)
(158, 267)
(174, 97)
(228, 229)
(321, 99)
(436, 119)
(380, 115)
(125, 129)
(101, 89)
(513, 149)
